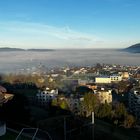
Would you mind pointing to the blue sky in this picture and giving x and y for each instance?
(69, 23)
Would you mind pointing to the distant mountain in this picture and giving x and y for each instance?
(18, 49)
(134, 48)
(11, 49)
(39, 50)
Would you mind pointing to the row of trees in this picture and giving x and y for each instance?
(21, 78)
(39, 80)
(116, 113)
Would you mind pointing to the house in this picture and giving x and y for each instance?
(104, 96)
(124, 74)
(91, 86)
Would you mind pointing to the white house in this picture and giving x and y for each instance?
(124, 74)
(104, 96)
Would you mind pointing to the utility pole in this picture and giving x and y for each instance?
(92, 125)
(92, 117)
(65, 131)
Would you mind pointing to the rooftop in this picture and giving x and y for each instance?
(8, 96)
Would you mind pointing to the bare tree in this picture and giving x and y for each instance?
(2, 91)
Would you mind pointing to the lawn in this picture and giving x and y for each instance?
(9, 136)
(116, 133)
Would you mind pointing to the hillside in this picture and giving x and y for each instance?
(134, 48)
(7, 49)
(11, 49)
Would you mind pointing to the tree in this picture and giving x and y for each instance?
(129, 121)
(120, 111)
(89, 104)
(104, 110)
(83, 90)
(64, 105)
(123, 86)
(116, 122)
(2, 98)
(118, 114)
(54, 102)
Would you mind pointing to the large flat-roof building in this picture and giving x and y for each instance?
(108, 79)
(102, 80)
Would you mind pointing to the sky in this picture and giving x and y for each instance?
(66, 24)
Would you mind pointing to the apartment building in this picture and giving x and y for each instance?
(134, 102)
(74, 104)
(44, 97)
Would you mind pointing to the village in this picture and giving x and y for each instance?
(112, 92)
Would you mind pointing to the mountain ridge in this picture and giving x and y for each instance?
(133, 48)
(19, 49)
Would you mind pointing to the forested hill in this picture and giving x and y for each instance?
(134, 48)
(11, 49)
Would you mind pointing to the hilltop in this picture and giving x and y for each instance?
(133, 49)
(5, 49)
(11, 49)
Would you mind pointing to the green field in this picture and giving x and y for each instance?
(103, 129)
(9, 136)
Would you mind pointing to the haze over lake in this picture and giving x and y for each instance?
(14, 61)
